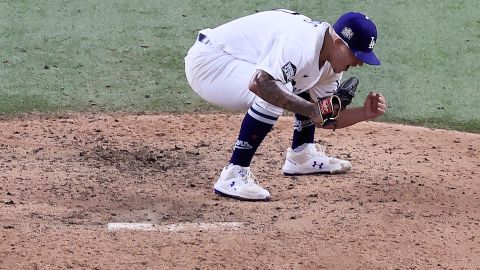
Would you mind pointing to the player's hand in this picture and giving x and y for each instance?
(375, 105)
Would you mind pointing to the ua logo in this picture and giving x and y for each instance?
(372, 43)
(319, 165)
(299, 124)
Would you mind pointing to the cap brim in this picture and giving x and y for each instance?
(368, 57)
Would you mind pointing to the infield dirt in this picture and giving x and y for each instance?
(411, 201)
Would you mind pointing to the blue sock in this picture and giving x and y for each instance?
(255, 127)
(304, 129)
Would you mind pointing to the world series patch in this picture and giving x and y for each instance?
(289, 70)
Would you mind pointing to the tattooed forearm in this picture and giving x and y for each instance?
(274, 92)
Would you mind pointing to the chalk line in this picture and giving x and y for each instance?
(176, 227)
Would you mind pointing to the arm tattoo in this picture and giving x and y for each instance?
(274, 92)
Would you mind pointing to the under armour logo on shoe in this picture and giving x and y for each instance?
(232, 184)
(316, 164)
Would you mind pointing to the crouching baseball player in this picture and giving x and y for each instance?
(279, 60)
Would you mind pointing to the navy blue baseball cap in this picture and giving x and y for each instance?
(360, 34)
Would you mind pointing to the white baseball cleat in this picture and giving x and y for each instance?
(240, 183)
(309, 160)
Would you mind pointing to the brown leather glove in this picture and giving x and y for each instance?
(328, 111)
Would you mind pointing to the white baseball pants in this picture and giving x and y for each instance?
(223, 80)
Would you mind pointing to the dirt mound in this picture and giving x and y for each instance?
(411, 201)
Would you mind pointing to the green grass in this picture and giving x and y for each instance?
(123, 55)
(429, 69)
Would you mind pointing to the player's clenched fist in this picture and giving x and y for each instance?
(374, 106)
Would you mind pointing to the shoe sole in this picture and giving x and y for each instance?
(240, 198)
(340, 171)
(312, 173)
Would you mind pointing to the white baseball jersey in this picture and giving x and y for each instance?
(284, 44)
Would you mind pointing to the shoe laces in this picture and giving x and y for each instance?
(319, 150)
(249, 178)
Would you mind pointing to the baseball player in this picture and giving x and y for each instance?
(279, 60)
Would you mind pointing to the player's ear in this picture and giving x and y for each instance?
(337, 41)
(340, 45)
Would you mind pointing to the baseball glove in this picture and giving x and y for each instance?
(329, 109)
(346, 91)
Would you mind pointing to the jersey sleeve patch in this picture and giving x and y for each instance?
(289, 70)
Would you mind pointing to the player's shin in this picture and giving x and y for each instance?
(304, 129)
(254, 129)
